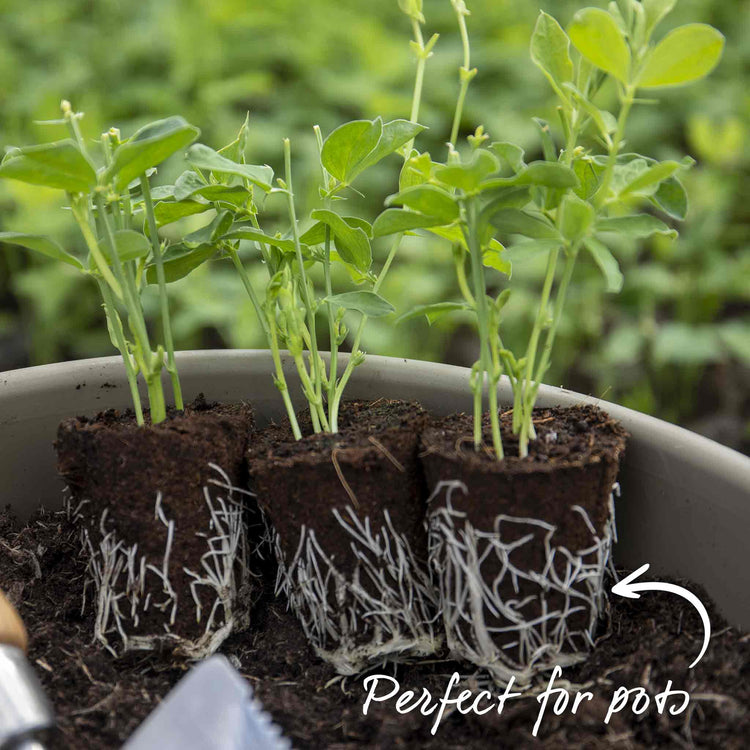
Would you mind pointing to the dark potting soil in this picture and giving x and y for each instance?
(118, 468)
(565, 482)
(581, 446)
(371, 458)
(100, 700)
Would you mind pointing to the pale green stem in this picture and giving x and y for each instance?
(480, 295)
(570, 262)
(351, 364)
(465, 76)
(602, 194)
(110, 311)
(315, 364)
(549, 277)
(163, 301)
(281, 383)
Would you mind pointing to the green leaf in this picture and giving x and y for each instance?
(248, 232)
(316, 234)
(395, 134)
(493, 256)
(190, 184)
(635, 227)
(542, 173)
(212, 232)
(468, 176)
(351, 242)
(603, 120)
(427, 199)
(130, 245)
(203, 157)
(168, 211)
(509, 154)
(527, 250)
(576, 218)
(597, 37)
(417, 170)
(40, 244)
(56, 165)
(655, 11)
(607, 263)
(647, 180)
(587, 176)
(149, 147)
(434, 311)
(515, 196)
(368, 303)
(347, 147)
(179, 261)
(514, 221)
(671, 197)
(395, 220)
(550, 52)
(684, 55)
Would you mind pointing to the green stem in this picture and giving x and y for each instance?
(280, 379)
(627, 103)
(333, 334)
(315, 365)
(156, 398)
(110, 310)
(570, 262)
(465, 73)
(353, 357)
(240, 268)
(526, 426)
(163, 301)
(93, 247)
(480, 295)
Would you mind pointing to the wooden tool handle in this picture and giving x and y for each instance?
(12, 630)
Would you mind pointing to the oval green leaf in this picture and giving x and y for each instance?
(348, 146)
(351, 242)
(395, 220)
(58, 165)
(597, 37)
(41, 244)
(684, 55)
(203, 157)
(550, 52)
(367, 303)
(607, 263)
(429, 200)
(149, 147)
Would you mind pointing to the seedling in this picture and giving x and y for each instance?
(287, 312)
(113, 206)
(574, 199)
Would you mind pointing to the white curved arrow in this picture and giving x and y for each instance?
(627, 588)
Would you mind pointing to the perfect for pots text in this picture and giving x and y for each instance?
(558, 700)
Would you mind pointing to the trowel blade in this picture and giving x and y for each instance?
(211, 708)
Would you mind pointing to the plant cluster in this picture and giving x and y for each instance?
(572, 201)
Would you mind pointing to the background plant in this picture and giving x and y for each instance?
(290, 66)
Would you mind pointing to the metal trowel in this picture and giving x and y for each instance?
(211, 708)
(24, 710)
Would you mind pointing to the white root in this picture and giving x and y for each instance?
(460, 556)
(385, 610)
(125, 583)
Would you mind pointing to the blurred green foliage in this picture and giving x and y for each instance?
(675, 342)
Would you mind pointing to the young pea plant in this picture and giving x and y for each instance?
(114, 207)
(287, 312)
(575, 199)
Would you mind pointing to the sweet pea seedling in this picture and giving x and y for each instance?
(110, 204)
(287, 311)
(573, 200)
